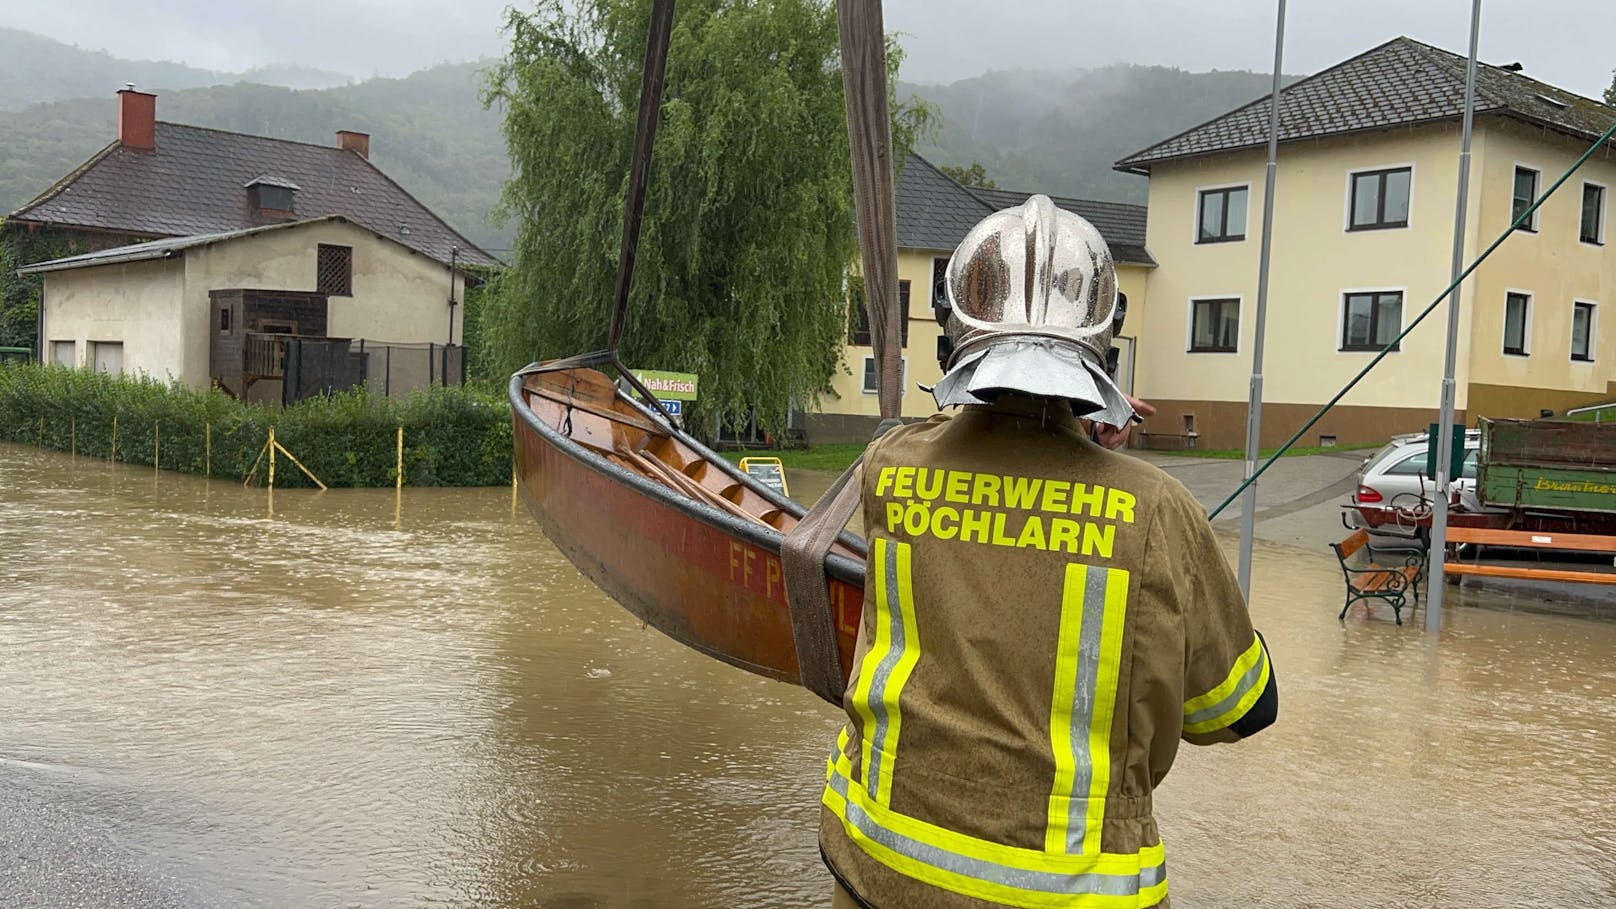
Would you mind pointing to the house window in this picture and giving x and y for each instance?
(1525, 195)
(861, 332)
(1517, 322)
(1582, 332)
(65, 353)
(872, 381)
(1371, 319)
(224, 320)
(1222, 215)
(334, 276)
(1214, 326)
(107, 356)
(1593, 214)
(1380, 199)
(939, 284)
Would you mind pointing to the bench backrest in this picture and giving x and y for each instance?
(1358, 540)
(1577, 542)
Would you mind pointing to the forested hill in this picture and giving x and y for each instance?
(35, 68)
(1033, 131)
(1060, 133)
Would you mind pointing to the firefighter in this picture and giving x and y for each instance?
(1044, 619)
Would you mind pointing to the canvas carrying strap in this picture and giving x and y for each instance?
(802, 564)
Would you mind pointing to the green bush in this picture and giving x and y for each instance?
(452, 436)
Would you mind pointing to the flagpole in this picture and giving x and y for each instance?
(1444, 442)
(1248, 510)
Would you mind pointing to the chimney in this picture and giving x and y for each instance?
(356, 142)
(137, 119)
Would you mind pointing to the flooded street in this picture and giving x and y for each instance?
(362, 701)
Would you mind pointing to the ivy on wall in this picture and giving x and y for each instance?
(26, 244)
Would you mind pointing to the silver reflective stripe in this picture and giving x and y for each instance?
(992, 872)
(1088, 672)
(892, 604)
(1241, 689)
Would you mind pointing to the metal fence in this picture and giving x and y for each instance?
(314, 366)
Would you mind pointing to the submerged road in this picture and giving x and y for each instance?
(351, 699)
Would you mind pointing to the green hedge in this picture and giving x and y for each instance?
(452, 436)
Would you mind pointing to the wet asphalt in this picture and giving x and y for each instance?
(58, 855)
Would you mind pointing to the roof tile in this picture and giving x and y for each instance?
(193, 183)
(935, 212)
(1399, 83)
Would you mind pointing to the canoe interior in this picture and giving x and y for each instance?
(675, 534)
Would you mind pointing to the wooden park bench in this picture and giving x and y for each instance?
(1382, 573)
(1524, 539)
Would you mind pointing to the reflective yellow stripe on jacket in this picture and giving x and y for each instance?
(1228, 702)
(1070, 871)
(1088, 656)
(886, 667)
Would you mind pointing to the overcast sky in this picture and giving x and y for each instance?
(1565, 42)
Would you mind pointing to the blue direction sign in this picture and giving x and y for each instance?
(674, 408)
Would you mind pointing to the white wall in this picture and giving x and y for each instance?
(137, 304)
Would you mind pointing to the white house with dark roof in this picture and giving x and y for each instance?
(1363, 228)
(933, 215)
(212, 254)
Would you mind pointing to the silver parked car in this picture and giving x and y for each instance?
(1395, 475)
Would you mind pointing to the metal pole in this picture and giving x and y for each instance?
(1444, 442)
(454, 256)
(1248, 508)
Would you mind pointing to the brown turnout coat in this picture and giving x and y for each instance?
(1044, 621)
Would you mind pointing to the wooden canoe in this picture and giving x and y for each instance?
(673, 532)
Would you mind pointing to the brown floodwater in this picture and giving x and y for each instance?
(361, 700)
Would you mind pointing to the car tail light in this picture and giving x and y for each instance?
(1367, 495)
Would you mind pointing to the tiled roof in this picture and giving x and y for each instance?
(935, 212)
(193, 184)
(1400, 83)
(169, 247)
(1122, 225)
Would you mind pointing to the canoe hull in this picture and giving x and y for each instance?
(705, 578)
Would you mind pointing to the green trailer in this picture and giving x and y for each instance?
(1548, 466)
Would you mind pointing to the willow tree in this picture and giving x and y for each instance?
(749, 229)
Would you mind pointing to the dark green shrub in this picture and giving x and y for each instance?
(452, 436)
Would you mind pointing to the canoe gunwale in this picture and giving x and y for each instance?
(837, 566)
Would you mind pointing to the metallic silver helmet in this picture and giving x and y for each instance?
(1032, 292)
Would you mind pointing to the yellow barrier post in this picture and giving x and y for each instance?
(253, 472)
(272, 447)
(398, 482)
(293, 458)
(207, 450)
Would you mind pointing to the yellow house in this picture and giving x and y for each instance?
(933, 215)
(1363, 229)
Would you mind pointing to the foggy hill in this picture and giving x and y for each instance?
(1036, 131)
(35, 68)
(1059, 133)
